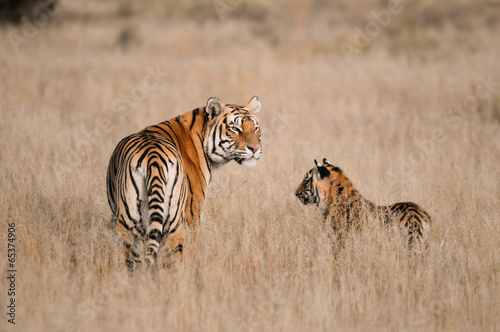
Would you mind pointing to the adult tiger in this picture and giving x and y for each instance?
(157, 178)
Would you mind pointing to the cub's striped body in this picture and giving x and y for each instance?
(157, 178)
(343, 206)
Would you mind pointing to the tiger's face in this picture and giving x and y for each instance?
(234, 133)
(307, 192)
(317, 182)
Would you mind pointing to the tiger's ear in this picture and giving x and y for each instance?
(254, 105)
(326, 162)
(214, 107)
(321, 171)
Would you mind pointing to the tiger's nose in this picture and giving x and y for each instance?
(253, 148)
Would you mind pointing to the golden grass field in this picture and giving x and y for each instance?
(408, 118)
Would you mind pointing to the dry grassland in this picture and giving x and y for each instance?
(390, 118)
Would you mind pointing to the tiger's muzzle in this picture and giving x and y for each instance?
(249, 156)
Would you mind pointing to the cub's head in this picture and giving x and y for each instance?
(317, 182)
(234, 132)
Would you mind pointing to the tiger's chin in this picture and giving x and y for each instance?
(304, 200)
(250, 162)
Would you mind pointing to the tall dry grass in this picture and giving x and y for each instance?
(260, 261)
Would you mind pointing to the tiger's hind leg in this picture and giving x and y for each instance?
(172, 248)
(132, 246)
(414, 227)
(418, 224)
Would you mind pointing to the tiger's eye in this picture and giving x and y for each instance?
(235, 130)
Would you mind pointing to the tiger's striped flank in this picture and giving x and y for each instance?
(157, 178)
(342, 205)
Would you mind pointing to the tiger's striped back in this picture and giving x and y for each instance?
(343, 206)
(157, 178)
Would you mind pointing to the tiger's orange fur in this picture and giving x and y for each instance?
(343, 206)
(157, 178)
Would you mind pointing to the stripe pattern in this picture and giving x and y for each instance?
(343, 206)
(157, 178)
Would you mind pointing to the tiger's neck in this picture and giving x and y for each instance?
(344, 202)
(195, 123)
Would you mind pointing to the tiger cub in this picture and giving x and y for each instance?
(343, 206)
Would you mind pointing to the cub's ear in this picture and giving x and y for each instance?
(321, 171)
(254, 105)
(326, 162)
(214, 107)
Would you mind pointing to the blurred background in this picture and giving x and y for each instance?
(316, 26)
